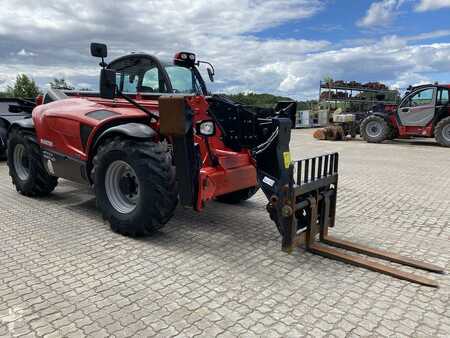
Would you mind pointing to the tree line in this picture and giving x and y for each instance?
(25, 87)
(268, 100)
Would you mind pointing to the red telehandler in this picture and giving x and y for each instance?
(423, 112)
(154, 137)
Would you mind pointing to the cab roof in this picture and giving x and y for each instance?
(437, 85)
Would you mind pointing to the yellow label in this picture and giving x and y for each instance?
(287, 159)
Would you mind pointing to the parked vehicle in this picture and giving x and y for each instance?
(154, 137)
(12, 109)
(423, 112)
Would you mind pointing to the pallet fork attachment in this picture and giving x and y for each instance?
(304, 209)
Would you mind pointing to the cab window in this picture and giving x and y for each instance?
(422, 98)
(443, 97)
(127, 83)
(138, 74)
(182, 79)
(150, 81)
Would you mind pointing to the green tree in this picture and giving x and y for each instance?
(61, 84)
(25, 87)
(268, 100)
(260, 100)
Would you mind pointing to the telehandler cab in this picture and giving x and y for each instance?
(153, 137)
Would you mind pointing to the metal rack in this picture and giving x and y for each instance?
(348, 94)
(351, 98)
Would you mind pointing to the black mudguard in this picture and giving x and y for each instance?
(134, 130)
(6, 123)
(26, 123)
(384, 116)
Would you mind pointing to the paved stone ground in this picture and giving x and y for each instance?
(221, 273)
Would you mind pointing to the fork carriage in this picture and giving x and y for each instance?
(302, 203)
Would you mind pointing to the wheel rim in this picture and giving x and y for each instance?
(446, 133)
(122, 187)
(21, 162)
(373, 129)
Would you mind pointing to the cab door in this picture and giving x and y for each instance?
(419, 108)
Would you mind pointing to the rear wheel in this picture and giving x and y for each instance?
(442, 132)
(25, 165)
(374, 129)
(135, 185)
(238, 196)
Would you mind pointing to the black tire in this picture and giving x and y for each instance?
(3, 140)
(237, 196)
(37, 182)
(155, 188)
(442, 132)
(374, 129)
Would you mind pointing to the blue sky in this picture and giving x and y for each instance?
(337, 23)
(282, 47)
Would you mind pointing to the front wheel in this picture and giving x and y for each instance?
(25, 165)
(442, 132)
(135, 185)
(374, 129)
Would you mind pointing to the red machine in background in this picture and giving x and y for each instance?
(423, 112)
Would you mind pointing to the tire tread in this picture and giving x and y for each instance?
(384, 135)
(40, 183)
(439, 130)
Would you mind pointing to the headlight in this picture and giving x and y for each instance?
(207, 128)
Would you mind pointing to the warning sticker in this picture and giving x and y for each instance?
(268, 181)
(287, 159)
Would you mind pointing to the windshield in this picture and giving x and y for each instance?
(141, 74)
(182, 79)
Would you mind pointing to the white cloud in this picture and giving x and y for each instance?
(393, 63)
(24, 52)
(380, 13)
(431, 5)
(409, 79)
(219, 31)
(429, 35)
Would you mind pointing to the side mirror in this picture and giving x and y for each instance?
(210, 74)
(108, 84)
(99, 50)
